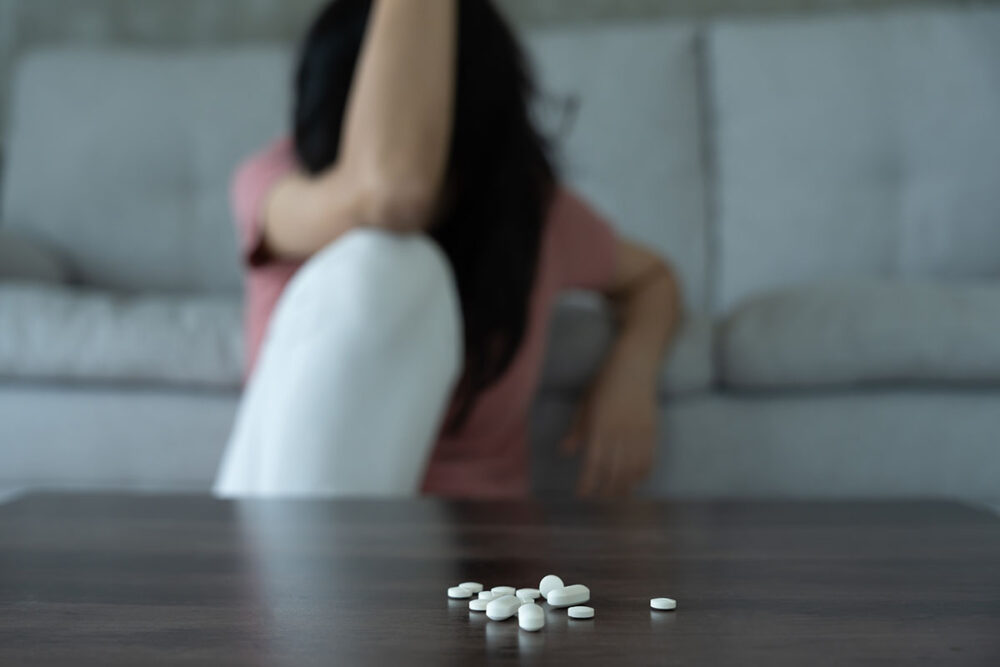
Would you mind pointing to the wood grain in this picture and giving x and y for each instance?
(120, 580)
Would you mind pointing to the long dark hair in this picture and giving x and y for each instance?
(500, 178)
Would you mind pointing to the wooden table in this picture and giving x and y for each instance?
(120, 580)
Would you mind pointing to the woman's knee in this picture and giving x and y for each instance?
(378, 282)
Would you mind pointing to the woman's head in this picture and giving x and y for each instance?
(499, 178)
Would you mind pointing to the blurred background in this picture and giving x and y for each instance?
(823, 174)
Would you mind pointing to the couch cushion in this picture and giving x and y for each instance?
(112, 437)
(856, 144)
(633, 144)
(58, 333)
(121, 159)
(863, 332)
(582, 331)
(24, 260)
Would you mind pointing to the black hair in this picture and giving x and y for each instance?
(500, 177)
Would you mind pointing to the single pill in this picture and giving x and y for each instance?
(478, 605)
(530, 593)
(459, 592)
(663, 604)
(472, 586)
(502, 608)
(486, 595)
(569, 596)
(548, 583)
(531, 617)
(580, 612)
(503, 590)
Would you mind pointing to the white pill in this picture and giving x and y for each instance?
(549, 582)
(486, 595)
(478, 605)
(531, 617)
(502, 608)
(663, 604)
(503, 590)
(459, 592)
(568, 596)
(472, 586)
(580, 612)
(529, 593)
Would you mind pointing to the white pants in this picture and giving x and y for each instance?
(354, 374)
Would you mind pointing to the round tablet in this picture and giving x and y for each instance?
(457, 592)
(548, 583)
(478, 605)
(663, 604)
(472, 586)
(486, 595)
(580, 612)
(503, 590)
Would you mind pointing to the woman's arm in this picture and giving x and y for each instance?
(396, 135)
(616, 426)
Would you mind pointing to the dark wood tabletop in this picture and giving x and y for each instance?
(141, 580)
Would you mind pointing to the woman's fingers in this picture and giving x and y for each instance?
(631, 466)
(599, 474)
(574, 438)
(617, 470)
(614, 464)
(595, 466)
(633, 463)
(587, 471)
(605, 475)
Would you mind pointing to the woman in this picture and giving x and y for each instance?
(417, 235)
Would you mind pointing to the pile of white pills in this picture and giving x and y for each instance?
(503, 602)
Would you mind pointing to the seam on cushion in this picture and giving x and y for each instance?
(711, 190)
(707, 146)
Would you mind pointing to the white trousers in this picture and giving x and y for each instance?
(354, 375)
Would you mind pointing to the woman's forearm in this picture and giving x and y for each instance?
(396, 136)
(398, 125)
(649, 312)
(616, 426)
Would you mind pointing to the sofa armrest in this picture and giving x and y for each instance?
(27, 261)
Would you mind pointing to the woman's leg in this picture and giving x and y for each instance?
(354, 375)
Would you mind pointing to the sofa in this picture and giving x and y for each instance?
(824, 184)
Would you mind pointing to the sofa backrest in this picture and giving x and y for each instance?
(121, 159)
(633, 147)
(839, 145)
(857, 144)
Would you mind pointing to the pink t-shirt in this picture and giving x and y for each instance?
(488, 456)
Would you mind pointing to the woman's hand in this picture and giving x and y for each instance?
(615, 428)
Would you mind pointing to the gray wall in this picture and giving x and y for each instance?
(25, 24)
